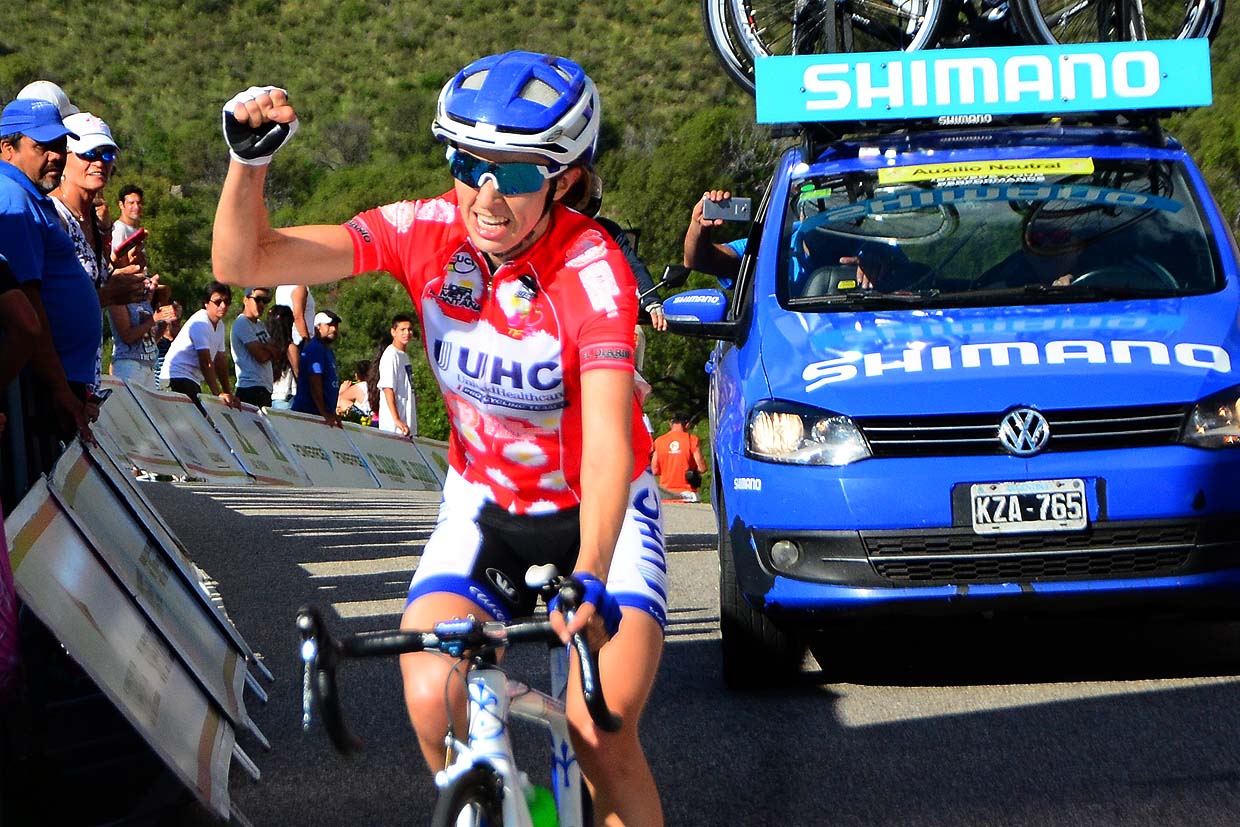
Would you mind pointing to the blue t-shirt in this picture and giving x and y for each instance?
(739, 246)
(38, 249)
(317, 359)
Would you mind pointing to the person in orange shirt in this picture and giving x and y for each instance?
(676, 455)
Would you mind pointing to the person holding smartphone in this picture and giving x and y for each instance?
(702, 252)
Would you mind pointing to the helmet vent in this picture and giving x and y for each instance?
(539, 92)
(475, 80)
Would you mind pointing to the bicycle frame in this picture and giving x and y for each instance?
(493, 700)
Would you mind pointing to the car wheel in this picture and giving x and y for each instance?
(757, 654)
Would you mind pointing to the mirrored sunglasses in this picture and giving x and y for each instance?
(515, 178)
(107, 155)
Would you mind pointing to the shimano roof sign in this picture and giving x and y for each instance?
(1014, 80)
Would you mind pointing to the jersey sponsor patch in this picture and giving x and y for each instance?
(400, 215)
(586, 248)
(614, 352)
(362, 230)
(460, 291)
(600, 285)
(516, 298)
(437, 210)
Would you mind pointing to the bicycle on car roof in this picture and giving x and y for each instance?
(742, 31)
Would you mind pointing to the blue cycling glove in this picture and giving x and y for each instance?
(594, 592)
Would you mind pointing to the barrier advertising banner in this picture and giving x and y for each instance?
(149, 577)
(255, 444)
(323, 452)
(200, 449)
(436, 455)
(62, 580)
(125, 431)
(393, 459)
(131, 492)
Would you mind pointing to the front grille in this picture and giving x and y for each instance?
(976, 434)
(960, 556)
(1031, 568)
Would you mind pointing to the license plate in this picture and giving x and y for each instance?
(1037, 505)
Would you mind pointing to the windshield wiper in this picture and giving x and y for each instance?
(867, 298)
(1097, 291)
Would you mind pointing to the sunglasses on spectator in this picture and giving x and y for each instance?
(98, 154)
(260, 299)
(515, 178)
(218, 302)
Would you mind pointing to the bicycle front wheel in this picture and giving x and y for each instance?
(475, 799)
(1107, 21)
(805, 27)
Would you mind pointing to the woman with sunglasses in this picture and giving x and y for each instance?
(88, 168)
(527, 311)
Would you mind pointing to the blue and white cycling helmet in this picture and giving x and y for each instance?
(522, 102)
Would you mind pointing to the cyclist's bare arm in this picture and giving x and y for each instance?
(606, 471)
(246, 250)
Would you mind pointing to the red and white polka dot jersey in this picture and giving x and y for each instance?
(508, 348)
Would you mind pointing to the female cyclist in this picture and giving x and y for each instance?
(527, 312)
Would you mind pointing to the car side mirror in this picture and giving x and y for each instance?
(700, 315)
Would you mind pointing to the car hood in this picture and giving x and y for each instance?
(991, 358)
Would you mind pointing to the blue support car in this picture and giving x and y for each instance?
(974, 369)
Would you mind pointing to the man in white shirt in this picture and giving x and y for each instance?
(299, 299)
(197, 354)
(397, 409)
(130, 221)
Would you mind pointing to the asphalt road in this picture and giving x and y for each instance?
(970, 722)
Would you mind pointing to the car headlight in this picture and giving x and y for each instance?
(1214, 422)
(784, 432)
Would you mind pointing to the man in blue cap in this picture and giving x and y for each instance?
(41, 254)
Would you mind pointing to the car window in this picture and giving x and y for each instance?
(1076, 229)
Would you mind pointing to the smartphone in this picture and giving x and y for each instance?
(130, 243)
(729, 209)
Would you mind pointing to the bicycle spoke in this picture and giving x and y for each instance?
(1092, 21)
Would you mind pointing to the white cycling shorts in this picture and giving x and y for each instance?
(481, 552)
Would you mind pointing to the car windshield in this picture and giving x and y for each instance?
(995, 232)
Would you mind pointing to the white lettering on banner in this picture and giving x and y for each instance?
(1040, 85)
(851, 364)
(1135, 73)
(966, 71)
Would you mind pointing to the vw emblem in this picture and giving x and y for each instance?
(1024, 432)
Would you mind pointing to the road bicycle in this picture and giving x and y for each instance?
(482, 784)
(741, 31)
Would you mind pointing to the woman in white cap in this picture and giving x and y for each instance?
(88, 168)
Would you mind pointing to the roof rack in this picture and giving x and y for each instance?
(1143, 126)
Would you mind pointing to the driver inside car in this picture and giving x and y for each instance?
(883, 267)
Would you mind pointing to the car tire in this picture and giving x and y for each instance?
(757, 653)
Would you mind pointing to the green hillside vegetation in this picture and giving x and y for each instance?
(365, 74)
